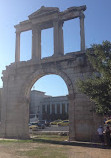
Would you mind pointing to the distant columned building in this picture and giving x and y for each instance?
(46, 107)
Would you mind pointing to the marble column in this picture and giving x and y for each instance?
(66, 108)
(58, 38)
(36, 43)
(82, 33)
(60, 108)
(51, 108)
(55, 108)
(17, 47)
(46, 108)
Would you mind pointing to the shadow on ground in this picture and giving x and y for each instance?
(74, 143)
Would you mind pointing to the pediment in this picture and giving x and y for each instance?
(43, 11)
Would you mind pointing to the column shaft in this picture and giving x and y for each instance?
(66, 108)
(60, 108)
(55, 108)
(82, 33)
(17, 47)
(36, 43)
(51, 108)
(46, 108)
(61, 39)
(58, 38)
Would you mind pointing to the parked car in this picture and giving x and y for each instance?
(41, 124)
(108, 122)
(47, 123)
(33, 127)
(64, 123)
(55, 122)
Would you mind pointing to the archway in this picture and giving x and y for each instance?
(49, 104)
(36, 76)
(16, 93)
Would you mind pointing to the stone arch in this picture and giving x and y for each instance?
(40, 73)
(71, 94)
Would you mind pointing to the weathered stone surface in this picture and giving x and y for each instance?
(19, 79)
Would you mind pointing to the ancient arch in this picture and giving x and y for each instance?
(19, 77)
(38, 74)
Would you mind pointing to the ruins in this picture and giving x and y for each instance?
(20, 76)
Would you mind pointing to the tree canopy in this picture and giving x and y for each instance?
(98, 87)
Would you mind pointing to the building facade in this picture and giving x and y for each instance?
(47, 107)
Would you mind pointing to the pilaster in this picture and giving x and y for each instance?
(72, 124)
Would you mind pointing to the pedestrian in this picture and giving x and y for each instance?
(100, 134)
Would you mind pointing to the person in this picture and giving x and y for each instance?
(107, 136)
(100, 133)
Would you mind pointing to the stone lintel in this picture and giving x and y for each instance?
(46, 25)
(69, 15)
(72, 12)
(23, 26)
(80, 8)
(45, 19)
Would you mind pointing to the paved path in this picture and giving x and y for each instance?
(53, 129)
(56, 128)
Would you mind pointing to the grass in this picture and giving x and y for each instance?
(38, 138)
(51, 137)
(45, 151)
(40, 146)
(50, 146)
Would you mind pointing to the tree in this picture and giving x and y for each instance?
(98, 87)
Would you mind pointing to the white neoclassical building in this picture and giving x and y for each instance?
(46, 107)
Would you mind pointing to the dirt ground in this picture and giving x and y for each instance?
(16, 150)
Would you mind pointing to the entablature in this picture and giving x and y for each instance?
(45, 16)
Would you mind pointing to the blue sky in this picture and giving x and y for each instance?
(97, 29)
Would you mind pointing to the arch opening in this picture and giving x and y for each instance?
(49, 103)
(47, 48)
(25, 45)
(71, 30)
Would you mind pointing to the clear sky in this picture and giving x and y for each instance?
(97, 29)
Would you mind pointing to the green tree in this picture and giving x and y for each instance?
(98, 87)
